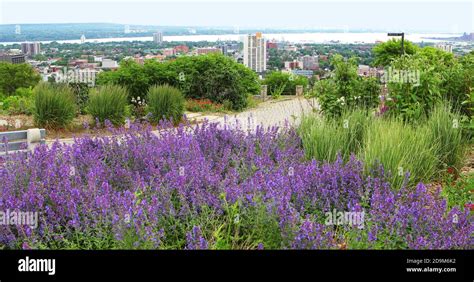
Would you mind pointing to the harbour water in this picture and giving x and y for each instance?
(314, 37)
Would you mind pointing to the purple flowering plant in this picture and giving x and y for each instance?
(212, 187)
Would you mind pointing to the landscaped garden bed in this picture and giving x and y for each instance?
(218, 189)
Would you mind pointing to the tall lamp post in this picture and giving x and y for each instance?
(402, 34)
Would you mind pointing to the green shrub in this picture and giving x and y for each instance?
(413, 102)
(81, 94)
(280, 83)
(54, 106)
(203, 105)
(458, 192)
(24, 92)
(467, 119)
(165, 102)
(400, 148)
(345, 90)
(215, 77)
(17, 105)
(14, 76)
(108, 102)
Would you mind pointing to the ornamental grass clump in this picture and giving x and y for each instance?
(401, 149)
(211, 187)
(165, 102)
(324, 138)
(446, 133)
(108, 102)
(54, 105)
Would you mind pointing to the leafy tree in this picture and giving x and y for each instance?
(418, 91)
(369, 92)
(284, 83)
(130, 75)
(345, 75)
(14, 76)
(386, 52)
(345, 89)
(40, 57)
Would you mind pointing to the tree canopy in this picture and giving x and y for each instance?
(14, 76)
(386, 52)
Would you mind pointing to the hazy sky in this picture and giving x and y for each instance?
(443, 16)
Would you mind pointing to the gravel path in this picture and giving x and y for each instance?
(269, 113)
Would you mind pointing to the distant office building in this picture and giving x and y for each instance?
(445, 47)
(158, 37)
(255, 52)
(31, 48)
(233, 47)
(109, 64)
(224, 49)
(291, 65)
(367, 71)
(208, 50)
(14, 52)
(168, 52)
(309, 62)
(181, 49)
(467, 36)
(272, 45)
(83, 39)
(78, 63)
(13, 58)
(18, 29)
(126, 29)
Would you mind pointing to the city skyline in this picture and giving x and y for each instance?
(440, 16)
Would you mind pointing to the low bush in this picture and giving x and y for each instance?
(345, 90)
(165, 102)
(17, 105)
(203, 105)
(108, 102)
(280, 83)
(54, 105)
(458, 192)
(81, 94)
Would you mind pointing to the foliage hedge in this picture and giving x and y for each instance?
(214, 77)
